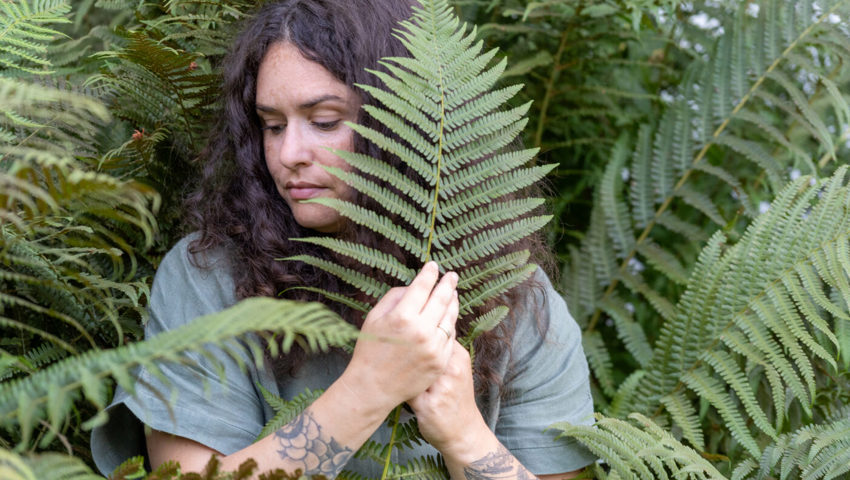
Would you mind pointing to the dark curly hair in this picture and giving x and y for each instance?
(236, 205)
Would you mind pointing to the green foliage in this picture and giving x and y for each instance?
(720, 331)
(48, 394)
(24, 33)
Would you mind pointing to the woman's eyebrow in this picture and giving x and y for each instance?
(324, 98)
(306, 105)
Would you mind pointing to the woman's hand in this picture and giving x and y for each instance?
(407, 340)
(448, 416)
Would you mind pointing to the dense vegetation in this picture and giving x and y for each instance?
(702, 217)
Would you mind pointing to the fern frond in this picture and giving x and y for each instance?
(378, 223)
(45, 466)
(640, 193)
(286, 410)
(664, 261)
(641, 451)
(599, 360)
(485, 323)
(467, 224)
(487, 243)
(427, 468)
(628, 330)
(683, 414)
(745, 298)
(355, 305)
(24, 33)
(52, 391)
(616, 211)
(476, 275)
(494, 287)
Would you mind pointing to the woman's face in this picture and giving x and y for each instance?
(302, 108)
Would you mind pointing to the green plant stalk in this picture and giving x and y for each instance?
(597, 313)
(550, 87)
(435, 203)
(396, 417)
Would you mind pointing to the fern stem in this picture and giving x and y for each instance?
(826, 156)
(434, 204)
(597, 313)
(396, 417)
(439, 159)
(550, 87)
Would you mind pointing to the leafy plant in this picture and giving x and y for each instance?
(711, 285)
(756, 336)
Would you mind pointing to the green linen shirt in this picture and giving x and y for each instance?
(545, 380)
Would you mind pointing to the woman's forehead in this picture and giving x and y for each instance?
(285, 74)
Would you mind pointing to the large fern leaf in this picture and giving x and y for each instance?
(767, 87)
(754, 338)
(49, 394)
(25, 33)
(453, 129)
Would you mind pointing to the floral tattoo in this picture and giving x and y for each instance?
(496, 466)
(302, 440)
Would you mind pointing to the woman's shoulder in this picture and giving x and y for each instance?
(189, 284)
(544, 314)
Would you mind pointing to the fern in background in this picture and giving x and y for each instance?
(760, 331)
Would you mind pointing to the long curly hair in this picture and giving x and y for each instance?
(236, 205)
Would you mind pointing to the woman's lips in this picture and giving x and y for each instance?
(303, 191)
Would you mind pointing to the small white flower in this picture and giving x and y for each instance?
(630, 307)
(609, 322)
(625, 174)
(764, 206)
(795, 174)
(753, 9)
(635, 265)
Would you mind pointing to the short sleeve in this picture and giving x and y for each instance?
(216, 403)
(547, 382)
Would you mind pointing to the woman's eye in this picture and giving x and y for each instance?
(274, 129)
(326, 125)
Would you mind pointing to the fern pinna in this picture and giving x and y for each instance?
(452, 133)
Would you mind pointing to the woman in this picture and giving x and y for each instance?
(288, 89)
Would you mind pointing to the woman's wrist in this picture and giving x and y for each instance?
(368, 399)
(471, 445)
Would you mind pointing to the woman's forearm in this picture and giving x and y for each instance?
(496, 465)
(320, 440)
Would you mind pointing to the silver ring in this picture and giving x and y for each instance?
(441, 327)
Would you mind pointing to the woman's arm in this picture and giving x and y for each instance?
(472, 452)
(404, 347)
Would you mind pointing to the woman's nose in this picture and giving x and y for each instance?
(294, 149)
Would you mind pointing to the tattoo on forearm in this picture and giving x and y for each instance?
(497, 465)
(303, 440)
